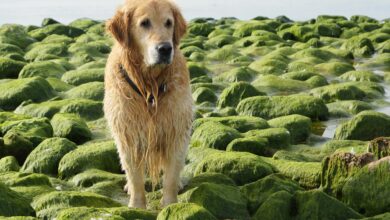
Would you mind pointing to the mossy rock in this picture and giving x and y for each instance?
(359, 46)
(55, 38)
(361, 76)
(316, 54)
(380, 147)
(132, 213)
(49, 205)
(222, 201)
(220, 40)
(86, 213)
(213, 134)
(347, 108)
(15, 179)
(240, 123)
(298, 32)
(90, 177)
(379, 62)
(278, 138)
(78, 77)
(204, 94)
(328, 29)
(276, 207)
(276, 106)
(235, 75)
(374, 178)
(59, 29)
(13, 204)
(14, 92)
(9, 163)
(71, 126)
(188, 211)
(43, 69)
(341, 91)
(307, 174)
(332, 146)
(85, 108)
(83, 23)
(242, 167)
(15, 34)
(259, 191)
(46, 156)
(36, 50)
(255, 145)
(272, 84)
(216, 178)
(224, 54)
(299, 126)
(334, 68)
(59, 85)
(236, 92)
(101, 156)
(10, 68)
(202, 29)
(365, 126)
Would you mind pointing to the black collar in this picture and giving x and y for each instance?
(161, 89)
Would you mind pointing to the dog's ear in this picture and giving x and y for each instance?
(119, 27)
(180, 27)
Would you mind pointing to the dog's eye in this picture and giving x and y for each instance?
(168, 23)
(145, 23)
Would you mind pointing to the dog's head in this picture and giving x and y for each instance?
(154, 27)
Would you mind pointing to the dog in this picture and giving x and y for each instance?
(147, 103)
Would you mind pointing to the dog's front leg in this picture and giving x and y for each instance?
(171, 179)
(135, 185)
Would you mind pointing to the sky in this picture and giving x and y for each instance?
(33, 11)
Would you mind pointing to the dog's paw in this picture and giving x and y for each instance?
(126, 188)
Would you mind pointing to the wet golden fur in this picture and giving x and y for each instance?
(149, 139)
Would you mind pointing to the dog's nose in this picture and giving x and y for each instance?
(164, 49)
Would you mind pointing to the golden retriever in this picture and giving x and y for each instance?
(147, 102)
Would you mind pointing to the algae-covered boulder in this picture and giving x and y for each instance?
(373, 198)
(214, 135)
(15, 34)
(236, 75)
(10, 68)
(223, 201)
(202, 29)
(92, 90)
(203, 94)
(78, 77)
(83, 23)
(338, 167)
(51, 49)
(70, 126)
(276, 106)
(259, 191)
(299, 126)
(9, 163)
(365, 126)
(380, 147)
(361, 76)
(58, 29)
(233, 94)
(334, 68)
(196, 70)
(86, 213)
(13, 204)
(338, 145)
(46, 156)
(48, 205)
(242, 167)
(278, 138)
(255, 145)
(276, 207)
(14, 92)
(101, 155)
(43, 69)
(185, 211)
(85, 108)
(15, 179)
(341, 91)
(272, 84)
(217, 178)
(359, 46)
(240, 123)
(347, 107)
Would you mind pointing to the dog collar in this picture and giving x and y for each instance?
(150, 100)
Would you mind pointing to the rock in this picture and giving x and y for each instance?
(365, 126)
(83, 23)
(132, 213)
(307, 174)
(379, 62)
(278, 138)
(70, 126)
(189, 211)
(298, 126)
(236, 75)
(37, 50)
(101, 156)
(86, 213)
(236, 92)
(373, 198)
(10, 68)
(380, 147)
(223, 201)
(341, 91)
(224, 54)
(49, 205)
(60, 86)
(203, 94)
(202, 29)
(196, 70)
(361, 76)
(14, 92)
(216, 178)
(13, 204)
(276, 106)
(276, 207)
(246, 29)
(90, 177)
(275, 84)
(78, 77)
(220, 40)
(55, 38)
(16, 35)
(255, 145)
(240, 123)
(213, 135)
(259, 191)
(46, 156)
(9, 163)
(59, 29)
(270, 64)
(328, 29)
(338, 167)
(15, 145)
(347, 108)
(333, 146)
(14, 179)
(43, 69)
(298, 33)
(240, 166)
(334, 68)
(85, 108)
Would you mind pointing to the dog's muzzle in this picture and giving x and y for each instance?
(164, 51)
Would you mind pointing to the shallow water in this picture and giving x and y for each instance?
(32, 11)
